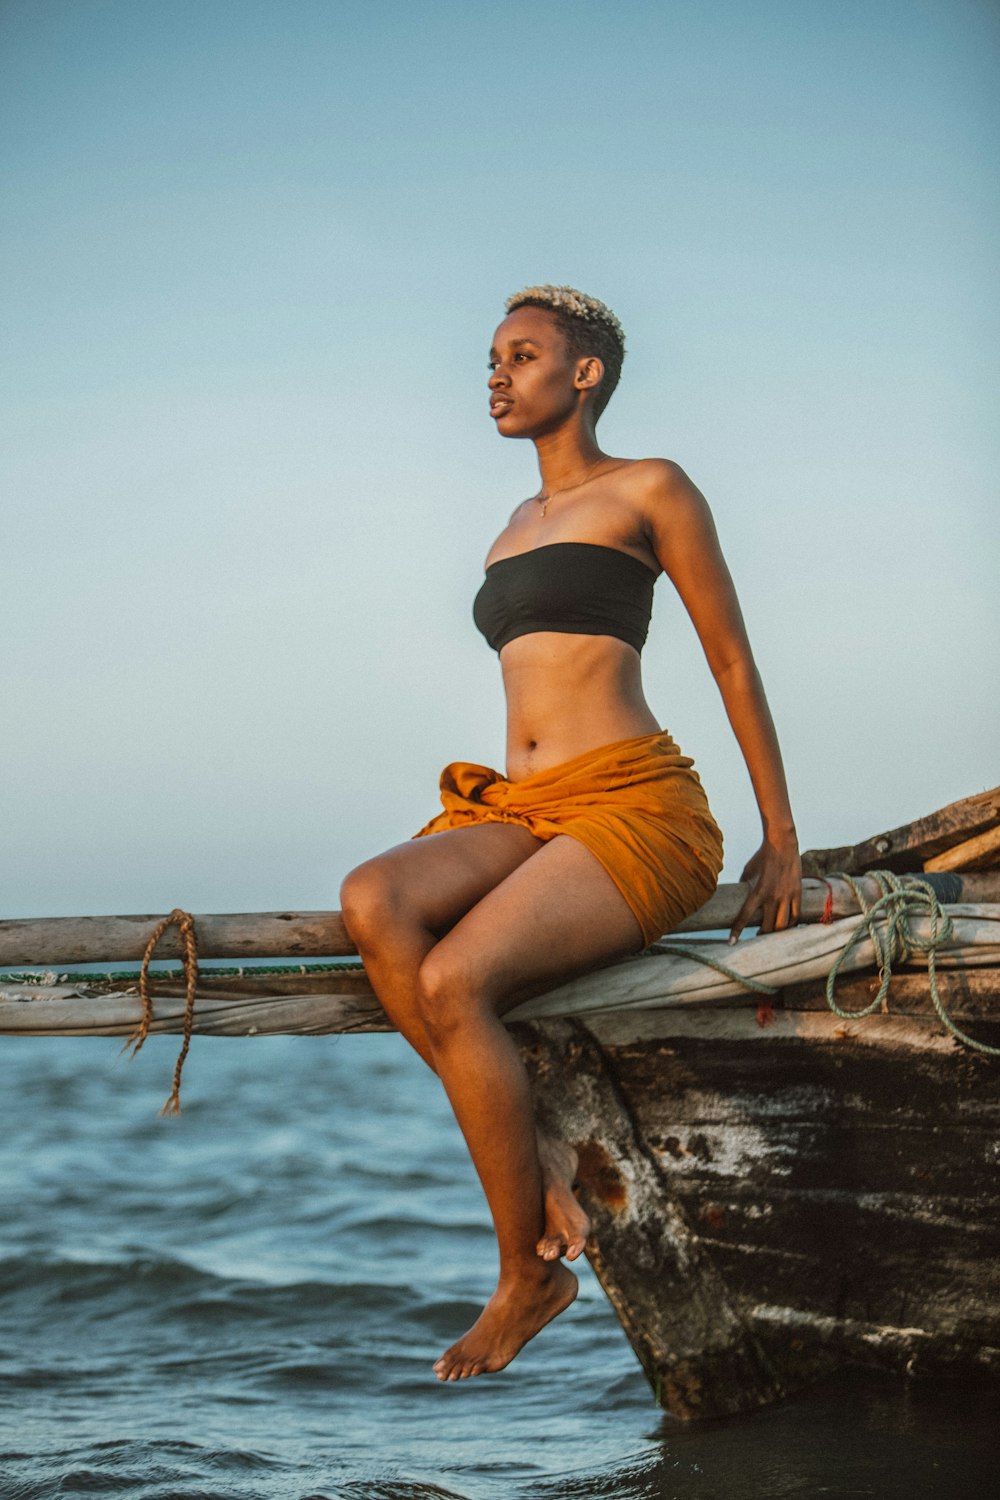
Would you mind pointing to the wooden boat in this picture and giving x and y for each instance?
(776, 1188)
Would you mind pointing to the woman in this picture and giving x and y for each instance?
(599, 838)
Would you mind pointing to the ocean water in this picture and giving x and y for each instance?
(246, 1302)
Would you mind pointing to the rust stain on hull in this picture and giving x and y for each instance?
(599, 1177)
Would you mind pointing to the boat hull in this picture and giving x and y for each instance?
(773, 1200)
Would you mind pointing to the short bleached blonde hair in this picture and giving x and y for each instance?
(588, 326)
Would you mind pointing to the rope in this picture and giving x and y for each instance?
(765, 1010)
(681, 950)
(189, 953)
(887, 924)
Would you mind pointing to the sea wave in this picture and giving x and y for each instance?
(245, 1304)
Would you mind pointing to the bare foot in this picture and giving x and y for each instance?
(512, 1316)
(566, 1224)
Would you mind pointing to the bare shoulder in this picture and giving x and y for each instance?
(522, 509)
(666, 496)
(659, 479)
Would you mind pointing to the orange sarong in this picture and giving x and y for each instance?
(638, 805)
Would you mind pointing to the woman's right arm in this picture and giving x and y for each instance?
(687, 546)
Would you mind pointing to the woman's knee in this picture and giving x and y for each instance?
(368, 900)
(450, 993)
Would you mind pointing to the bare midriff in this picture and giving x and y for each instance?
(567, 695)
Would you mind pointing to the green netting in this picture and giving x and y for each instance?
(176, 971)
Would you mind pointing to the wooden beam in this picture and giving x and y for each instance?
(123, 939)
(901, 849)
(46, 941)
(720, 911)
(966, 994)
(261, 1004)
(323, 1002)
(977, 853)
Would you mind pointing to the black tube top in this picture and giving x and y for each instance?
(576, 588)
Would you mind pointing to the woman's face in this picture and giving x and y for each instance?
(533, 377)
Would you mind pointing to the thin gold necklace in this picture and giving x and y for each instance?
(544, 499)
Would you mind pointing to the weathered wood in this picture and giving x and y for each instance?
(971, 993)
(338, 981)
(721, 910)
(966, 994)
(979, 853)
(778, 959)
(38, 941)
(699, 1352)
(649, 981)
(980, 887)
(845, 1193)
(232, 1006)
(911, 1023)
(248, 1005)
(901, 848)
(912, 1351)
(725, 1023)
(123, 939)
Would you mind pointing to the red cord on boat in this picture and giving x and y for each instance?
(827, 916)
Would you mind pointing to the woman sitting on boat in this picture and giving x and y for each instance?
(599, 837)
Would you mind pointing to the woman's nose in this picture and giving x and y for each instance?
(497, 377)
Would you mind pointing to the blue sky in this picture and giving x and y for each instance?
(252, 256)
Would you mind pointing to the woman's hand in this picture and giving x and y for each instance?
(775, 876)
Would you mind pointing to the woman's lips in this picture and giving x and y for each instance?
(499, 405)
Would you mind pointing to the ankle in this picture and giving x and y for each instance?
(531, 1272)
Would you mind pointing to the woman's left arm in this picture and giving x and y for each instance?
(687, 546)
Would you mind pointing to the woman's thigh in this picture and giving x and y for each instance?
(555, 915)
(436, 879)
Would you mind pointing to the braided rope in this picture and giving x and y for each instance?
(189, 954)
(887, 924)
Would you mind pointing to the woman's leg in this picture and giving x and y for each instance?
(399, 904)
(396, 907)
(556, 914)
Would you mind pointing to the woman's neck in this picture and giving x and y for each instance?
(566, 457)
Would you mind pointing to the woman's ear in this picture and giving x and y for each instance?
(589, 373)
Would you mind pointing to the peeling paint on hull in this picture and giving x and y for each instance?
(772, 1202)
